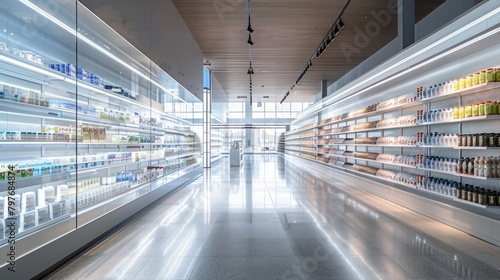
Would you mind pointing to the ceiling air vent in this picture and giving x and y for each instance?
(266, 97)
(242, 97)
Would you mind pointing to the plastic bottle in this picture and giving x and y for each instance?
(482, 165)
(461, 112)
(482, 110)
(475, 79)
(461, 166)
(477, 167)
(488, 167)
(468, 111)
(494, 166)
(481, 196)
(470, 166)
(454, 166)
(482, 77)
(475, 195)
(475, 110)
(470, 192)
(491, 75)
(468, 81)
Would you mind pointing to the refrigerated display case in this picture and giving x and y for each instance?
(91, 130)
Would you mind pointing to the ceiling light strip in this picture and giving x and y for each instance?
(337, 25)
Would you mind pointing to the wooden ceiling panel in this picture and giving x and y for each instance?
(286, 34)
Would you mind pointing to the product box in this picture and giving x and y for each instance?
(55, 209)
(94, 135)
(87, 134)
(133, 139)
(43, 214)
(2, 229)
(28, 220)
(120, 139)
(101, 131)
(3, 203)
(6, 230)
(46, 195)
(28, 202)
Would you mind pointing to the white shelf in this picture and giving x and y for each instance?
(371, 145)
(6, 106)
(459, 174)
(467, 91)
(301, 151)
(370, 129)
(371, 160)
(29, 69)
(471, 119)
(458, 147)
(374, 113)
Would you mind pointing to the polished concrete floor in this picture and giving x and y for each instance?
(272, 220)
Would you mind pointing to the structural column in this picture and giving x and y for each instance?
(406, 22)
(207, 130)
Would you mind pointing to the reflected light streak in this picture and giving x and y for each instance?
(334, 244)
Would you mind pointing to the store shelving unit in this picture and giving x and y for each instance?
(92, 134)
(281, 143)
(351, 130)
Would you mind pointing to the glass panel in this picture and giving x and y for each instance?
(235, 115)
(270, 115)
(258, 115)
(38, 133)
(84, 136)
(270, 106)
(296, 107)
(257, 108)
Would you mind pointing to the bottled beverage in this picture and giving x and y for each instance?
(482, 165)
(470, 166)
(475, 195)
(494, 166)
(488, 167)
(481, 196)
(462, 166)
(477, 168)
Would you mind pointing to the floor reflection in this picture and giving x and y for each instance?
(274, 219)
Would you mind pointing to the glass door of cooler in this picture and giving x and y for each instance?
(38, 139)
(87, 122)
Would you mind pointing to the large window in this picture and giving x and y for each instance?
(271, 110)
(237, 110)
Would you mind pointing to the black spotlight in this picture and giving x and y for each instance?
(310, 63)
(330, 38)
(341, 24)
(249, 28)
(250, 40)
(250, 71)
(318, 53)
(337, 30)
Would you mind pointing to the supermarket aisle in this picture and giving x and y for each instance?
(273, 220)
